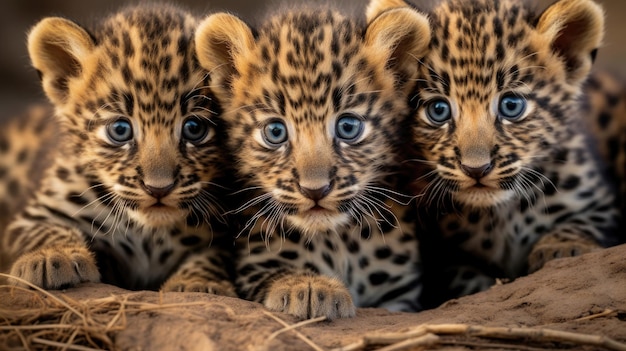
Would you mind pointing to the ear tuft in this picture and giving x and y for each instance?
(221, 39)
(57, 48)
(575, 29)
(401, 36)
(376, 7)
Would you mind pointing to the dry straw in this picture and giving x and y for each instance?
(62, 323)
(443, 336)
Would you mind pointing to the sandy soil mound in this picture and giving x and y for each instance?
(569, 303)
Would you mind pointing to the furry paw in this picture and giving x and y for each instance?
(56, 267)
(179, 283)
(309, 296)
(555, 246)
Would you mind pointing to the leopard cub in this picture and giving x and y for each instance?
(131, 197)
(503, 167)
(314, 104)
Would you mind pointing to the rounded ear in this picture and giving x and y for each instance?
(376, 7)
(221, 40)
(400, 36)
(57, 48)
(575, 29)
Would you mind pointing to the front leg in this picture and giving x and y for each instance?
(562, 242)
(205, 271)
(282, 283)
(308, 295)
(58, 259)
(56, 267)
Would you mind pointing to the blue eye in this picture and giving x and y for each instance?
(438, 111)
(349, 127)
(195, 129)
(275, 133)
(120, 131)
(512, 107)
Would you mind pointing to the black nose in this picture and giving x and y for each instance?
(477, 172)
(316, 194)
(158, 192)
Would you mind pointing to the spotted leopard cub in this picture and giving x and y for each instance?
(131, 196)
(314, 104)
(505, 167)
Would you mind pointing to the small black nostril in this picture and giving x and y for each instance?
(316, 194)
(477, 172)
(158, 192)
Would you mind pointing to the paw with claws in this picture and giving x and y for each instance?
(56, 267)
(309, 296)
(179, 283)
(555, 246)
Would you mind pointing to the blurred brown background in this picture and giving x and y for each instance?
(19, 84)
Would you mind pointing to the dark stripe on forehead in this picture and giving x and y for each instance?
(184, 103)
(129, 51)
(337, 97)
(129, 103)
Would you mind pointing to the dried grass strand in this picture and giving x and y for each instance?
(295, 326)
(411, 343)
(33, 286)
(61, 322)
(607, 312)
(492, 345)
(507, 333)
(64, 345)
(298, 334)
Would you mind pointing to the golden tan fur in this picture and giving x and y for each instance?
(134, 186)
(312, 194)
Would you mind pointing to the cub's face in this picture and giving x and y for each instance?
(314, 115)
(312, 125)
(142, 121)
(496, 94)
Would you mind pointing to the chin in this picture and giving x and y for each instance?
(483, 197)
(158, 217)
(311, 223)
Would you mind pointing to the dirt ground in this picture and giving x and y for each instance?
(582, 295)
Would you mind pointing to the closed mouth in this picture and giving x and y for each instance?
(317, 209)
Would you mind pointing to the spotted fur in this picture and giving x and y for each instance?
(131, 196)
(315, 104)
(26, 143)
(605, 113)
(502, 165)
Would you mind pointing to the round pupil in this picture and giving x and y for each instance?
(275, 132)
(512, 106)
(194, 129)
(439, 111)
(349, 127)
(120, 128)
(440, 108)
(120, 131)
